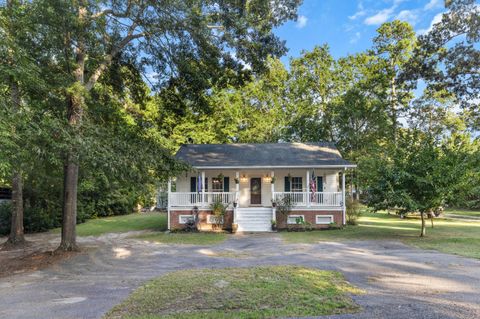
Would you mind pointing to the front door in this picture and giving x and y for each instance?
(256, 191)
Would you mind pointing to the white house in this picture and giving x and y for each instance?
(253, 178)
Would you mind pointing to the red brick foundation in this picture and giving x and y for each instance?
(310, 217)
(203, 225)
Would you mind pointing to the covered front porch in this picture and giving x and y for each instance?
(305, 188)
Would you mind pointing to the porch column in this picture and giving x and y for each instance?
(237, 196)
(274, 210)
(203, 189)
(272, 174)
(343, 196)
(308, 188)
(169, 189)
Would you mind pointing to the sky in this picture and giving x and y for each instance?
(348, 26)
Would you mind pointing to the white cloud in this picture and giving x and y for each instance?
(360, 12)
(380, 17)
(301, 22)
(433, 4)
(436, 19)
(357, 14)
(408, 15)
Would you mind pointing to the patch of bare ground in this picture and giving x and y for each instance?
(34, 254)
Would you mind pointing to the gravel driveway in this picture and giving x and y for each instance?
(400, 281)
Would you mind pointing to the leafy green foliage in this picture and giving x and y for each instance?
(353, 211)
(417, 175)
(447, 57)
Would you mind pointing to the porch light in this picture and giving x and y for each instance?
(243, 179)
(267, 178)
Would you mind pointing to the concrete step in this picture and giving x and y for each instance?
(254, 229)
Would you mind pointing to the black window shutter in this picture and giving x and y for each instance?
(287, 184)
(226, 184)
(319, 183)
(193, 184)
(206, 184)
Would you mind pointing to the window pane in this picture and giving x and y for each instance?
(297, 184)
(217, 185)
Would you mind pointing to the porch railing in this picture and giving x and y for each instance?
(177, 199)
(313, 199)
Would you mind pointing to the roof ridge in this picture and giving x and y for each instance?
(273, 143)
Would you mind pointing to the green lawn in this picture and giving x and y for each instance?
(124, 223)
(449, 236)
(259, 292)
(184, 238)
(464, 212)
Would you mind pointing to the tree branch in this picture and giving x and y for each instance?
(109, 57)
(113, 13)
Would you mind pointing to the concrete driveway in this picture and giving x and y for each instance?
(401, 282)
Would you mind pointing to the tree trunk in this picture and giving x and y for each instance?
(16, 236)
(394, 104)
(69, 214)
(422, 234)
(74, 117)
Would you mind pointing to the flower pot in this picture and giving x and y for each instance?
(234, 228)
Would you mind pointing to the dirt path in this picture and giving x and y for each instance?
(401, 282)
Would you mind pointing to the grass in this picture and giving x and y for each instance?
(449, 236)
(260, 292)
(123, 223)
(464, 212)
(185, 238)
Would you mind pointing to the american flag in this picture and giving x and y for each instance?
(313, 186)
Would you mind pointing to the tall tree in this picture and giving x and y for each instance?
(393, 46)
(447, 57)
(162, 36)
(312, 86)
(10, 25)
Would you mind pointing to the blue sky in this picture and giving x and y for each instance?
(348, 26)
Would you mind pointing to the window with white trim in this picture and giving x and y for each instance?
(297, 185)
(217, 184)
(324, 219)
(212, 219)
(295, 219)
(183, 219)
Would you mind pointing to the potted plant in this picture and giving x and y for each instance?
(234, 228)
(274, 225)
(237, 180)
(235, 204)
(274, 203)
(273, 180)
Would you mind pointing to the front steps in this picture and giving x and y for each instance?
(254, 219)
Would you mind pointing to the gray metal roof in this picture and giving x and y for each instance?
(262, 155)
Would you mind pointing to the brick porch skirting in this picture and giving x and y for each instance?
(203, 224)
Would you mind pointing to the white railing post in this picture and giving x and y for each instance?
(308, 188)
(203, 188)
(169, 187)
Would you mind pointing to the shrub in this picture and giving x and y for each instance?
(5, 218)
(353, 211)
(218, 208)
(284, 205)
